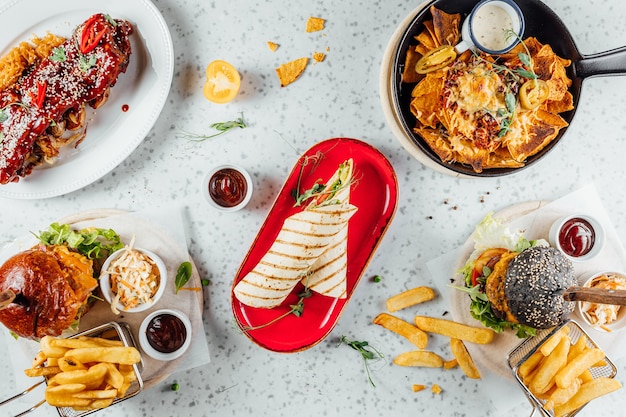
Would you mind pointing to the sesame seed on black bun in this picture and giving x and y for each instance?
(534, 284)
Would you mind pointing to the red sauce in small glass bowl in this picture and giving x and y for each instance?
(228, 187)
(577, 237)
(166, 333)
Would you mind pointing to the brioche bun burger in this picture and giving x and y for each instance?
(515, 283)
(52, 281)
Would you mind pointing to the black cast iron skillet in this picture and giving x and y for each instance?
(542, 23)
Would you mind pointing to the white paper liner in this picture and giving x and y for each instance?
(535, 219)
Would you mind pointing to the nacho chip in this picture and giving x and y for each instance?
(427, 40)
(409, 75)
(315, 24)
(446, 26)
(272, 46)
(291, 71)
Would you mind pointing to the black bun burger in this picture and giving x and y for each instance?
(520, 290)
(527, 288)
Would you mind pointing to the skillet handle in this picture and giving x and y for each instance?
(611, 62)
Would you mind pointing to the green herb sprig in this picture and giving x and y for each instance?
(295, 309)
(221, 127)
(58, 55)
(367, 351)
(183, 274)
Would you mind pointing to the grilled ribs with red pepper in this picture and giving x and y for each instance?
(79, 72)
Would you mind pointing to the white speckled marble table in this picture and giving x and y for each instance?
(336, 98)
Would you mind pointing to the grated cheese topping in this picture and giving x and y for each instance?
(134, 279)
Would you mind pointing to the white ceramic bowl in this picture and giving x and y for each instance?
(587, 280)
(209, 199)
(151, 351)
(105, 282)
(599, 238)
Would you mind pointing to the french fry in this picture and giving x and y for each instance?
(419, 358)
(82, 376)
(452, 363)
(586, 376)
(562, 395)
(114, 377)
(70, 364)
(42, 371)
(96, 393)
(577, 348)
(548, 346)
(414, 335)
(544, 378)
(65, 388)
(49, 350)
(577, 366)
(530, 364)
(39, 359)
(102, 403)
(87, 342)
(480, 335)
(409, 298)
(463, 357)
(587, 392)
(116, 354)
(65, 400)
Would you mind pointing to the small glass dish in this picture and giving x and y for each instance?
(579, 237)
(105, 280)
(168, 327)
(113, 331)
(583, 308)
(529, 346)
(227, 187)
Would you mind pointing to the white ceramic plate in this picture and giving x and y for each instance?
(112, 134)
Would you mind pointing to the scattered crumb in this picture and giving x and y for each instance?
(272, 45)
(418, 387)
(315, 24)
(436, 389)
(319, 56)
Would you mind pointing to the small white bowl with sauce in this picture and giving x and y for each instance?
(227, 187)
(109, 267)
(579, 237)
(165, 334)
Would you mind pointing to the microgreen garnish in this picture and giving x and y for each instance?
(58, 55)
(182, 275)
(221, 127)
(111, 21)
(86, 63)
(295, 309)
(295, 193)
(367, 352)
(3, 114)
(175, 386)
(377, 278)
(205, 282)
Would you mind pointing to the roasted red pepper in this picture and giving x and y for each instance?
(41, 94)
(90, 36)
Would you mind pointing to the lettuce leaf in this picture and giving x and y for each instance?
(94, 243)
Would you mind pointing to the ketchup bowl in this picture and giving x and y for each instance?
(165, 334)
(579, 237)
(227, 187)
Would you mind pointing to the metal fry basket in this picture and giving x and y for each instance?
(524, 350)
(110, 330)
(113, 331)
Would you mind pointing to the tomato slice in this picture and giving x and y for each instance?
(487, 258)
(222, 82)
